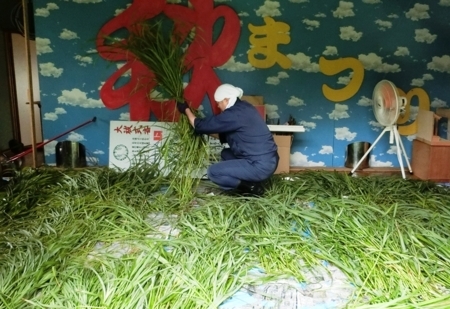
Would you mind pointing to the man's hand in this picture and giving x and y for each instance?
(182, 106)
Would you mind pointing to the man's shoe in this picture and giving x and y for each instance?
(248, 188)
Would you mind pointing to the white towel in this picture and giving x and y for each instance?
(228, 91)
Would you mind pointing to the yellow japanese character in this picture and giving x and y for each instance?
(265, 40)
(424, 104)
(333, 67)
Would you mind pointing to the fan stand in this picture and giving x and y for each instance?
(400, 148)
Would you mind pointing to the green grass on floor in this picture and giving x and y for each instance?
(100, 238)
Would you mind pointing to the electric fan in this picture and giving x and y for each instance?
(387, 106)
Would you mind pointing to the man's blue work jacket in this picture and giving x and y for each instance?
(243, 128)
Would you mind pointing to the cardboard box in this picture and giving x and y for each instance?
(284, 143)
(258, 102)
(444, 123)
(254, 100)
(431, 152)
(427, 127)
(431, 162)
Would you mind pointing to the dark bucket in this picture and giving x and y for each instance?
(355, 151)
(70, 154)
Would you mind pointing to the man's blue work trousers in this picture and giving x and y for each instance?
(228, 173)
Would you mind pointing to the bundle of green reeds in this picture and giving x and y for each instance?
(162, 50)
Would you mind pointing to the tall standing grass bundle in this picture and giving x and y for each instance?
(163, 51)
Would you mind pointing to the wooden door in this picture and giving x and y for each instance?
(9, 120)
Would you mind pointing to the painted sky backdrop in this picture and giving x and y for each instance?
(401, 41)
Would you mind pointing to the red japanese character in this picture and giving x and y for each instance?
(202, 56)
(127, 129)
(118, 129)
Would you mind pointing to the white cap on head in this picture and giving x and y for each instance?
(228, 91)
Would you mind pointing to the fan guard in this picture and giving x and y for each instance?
(386, 103)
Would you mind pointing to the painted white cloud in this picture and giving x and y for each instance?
(308, 125)
(299, 159)
(302, 62)
(444, 2)
(124, 116)
(270, 8)
(60, 111)
(344, 134)
(345, 9)
(393, 16)
(320, 15)
(66, 34)
(233, 66)
(317, 117)
(424, 36)
(373, 162)
(98, 152)
(344, 80)
(243, 14)
(401, 51)
(49, 149)
(413, 112)
(376, 126)
(437, 103)
(54, 115)
(326, 150)
(418, 12)
(76, 97)
(350, 34)
(45, 12)
(83, 60)
(275, 80)
(371, 1)
(118, 11)
(87, 1)
(43, 46)
(75, 137)
(298, 1)
(48, 69)
(311, 24)
(272, 111)
(364, 101)
(155, 95)
(127, 73)
(373, 62)
(419, 82)
(99, 87)
(392, 150)
(50, 116)
(294, 101)
(411, 137)
(339, 112)
(383, 24)
(440, 64)
(330, 51)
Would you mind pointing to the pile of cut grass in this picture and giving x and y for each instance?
(100, 238)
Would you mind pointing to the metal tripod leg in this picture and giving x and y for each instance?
(400, 150)
(371, 147)
(398, 144)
